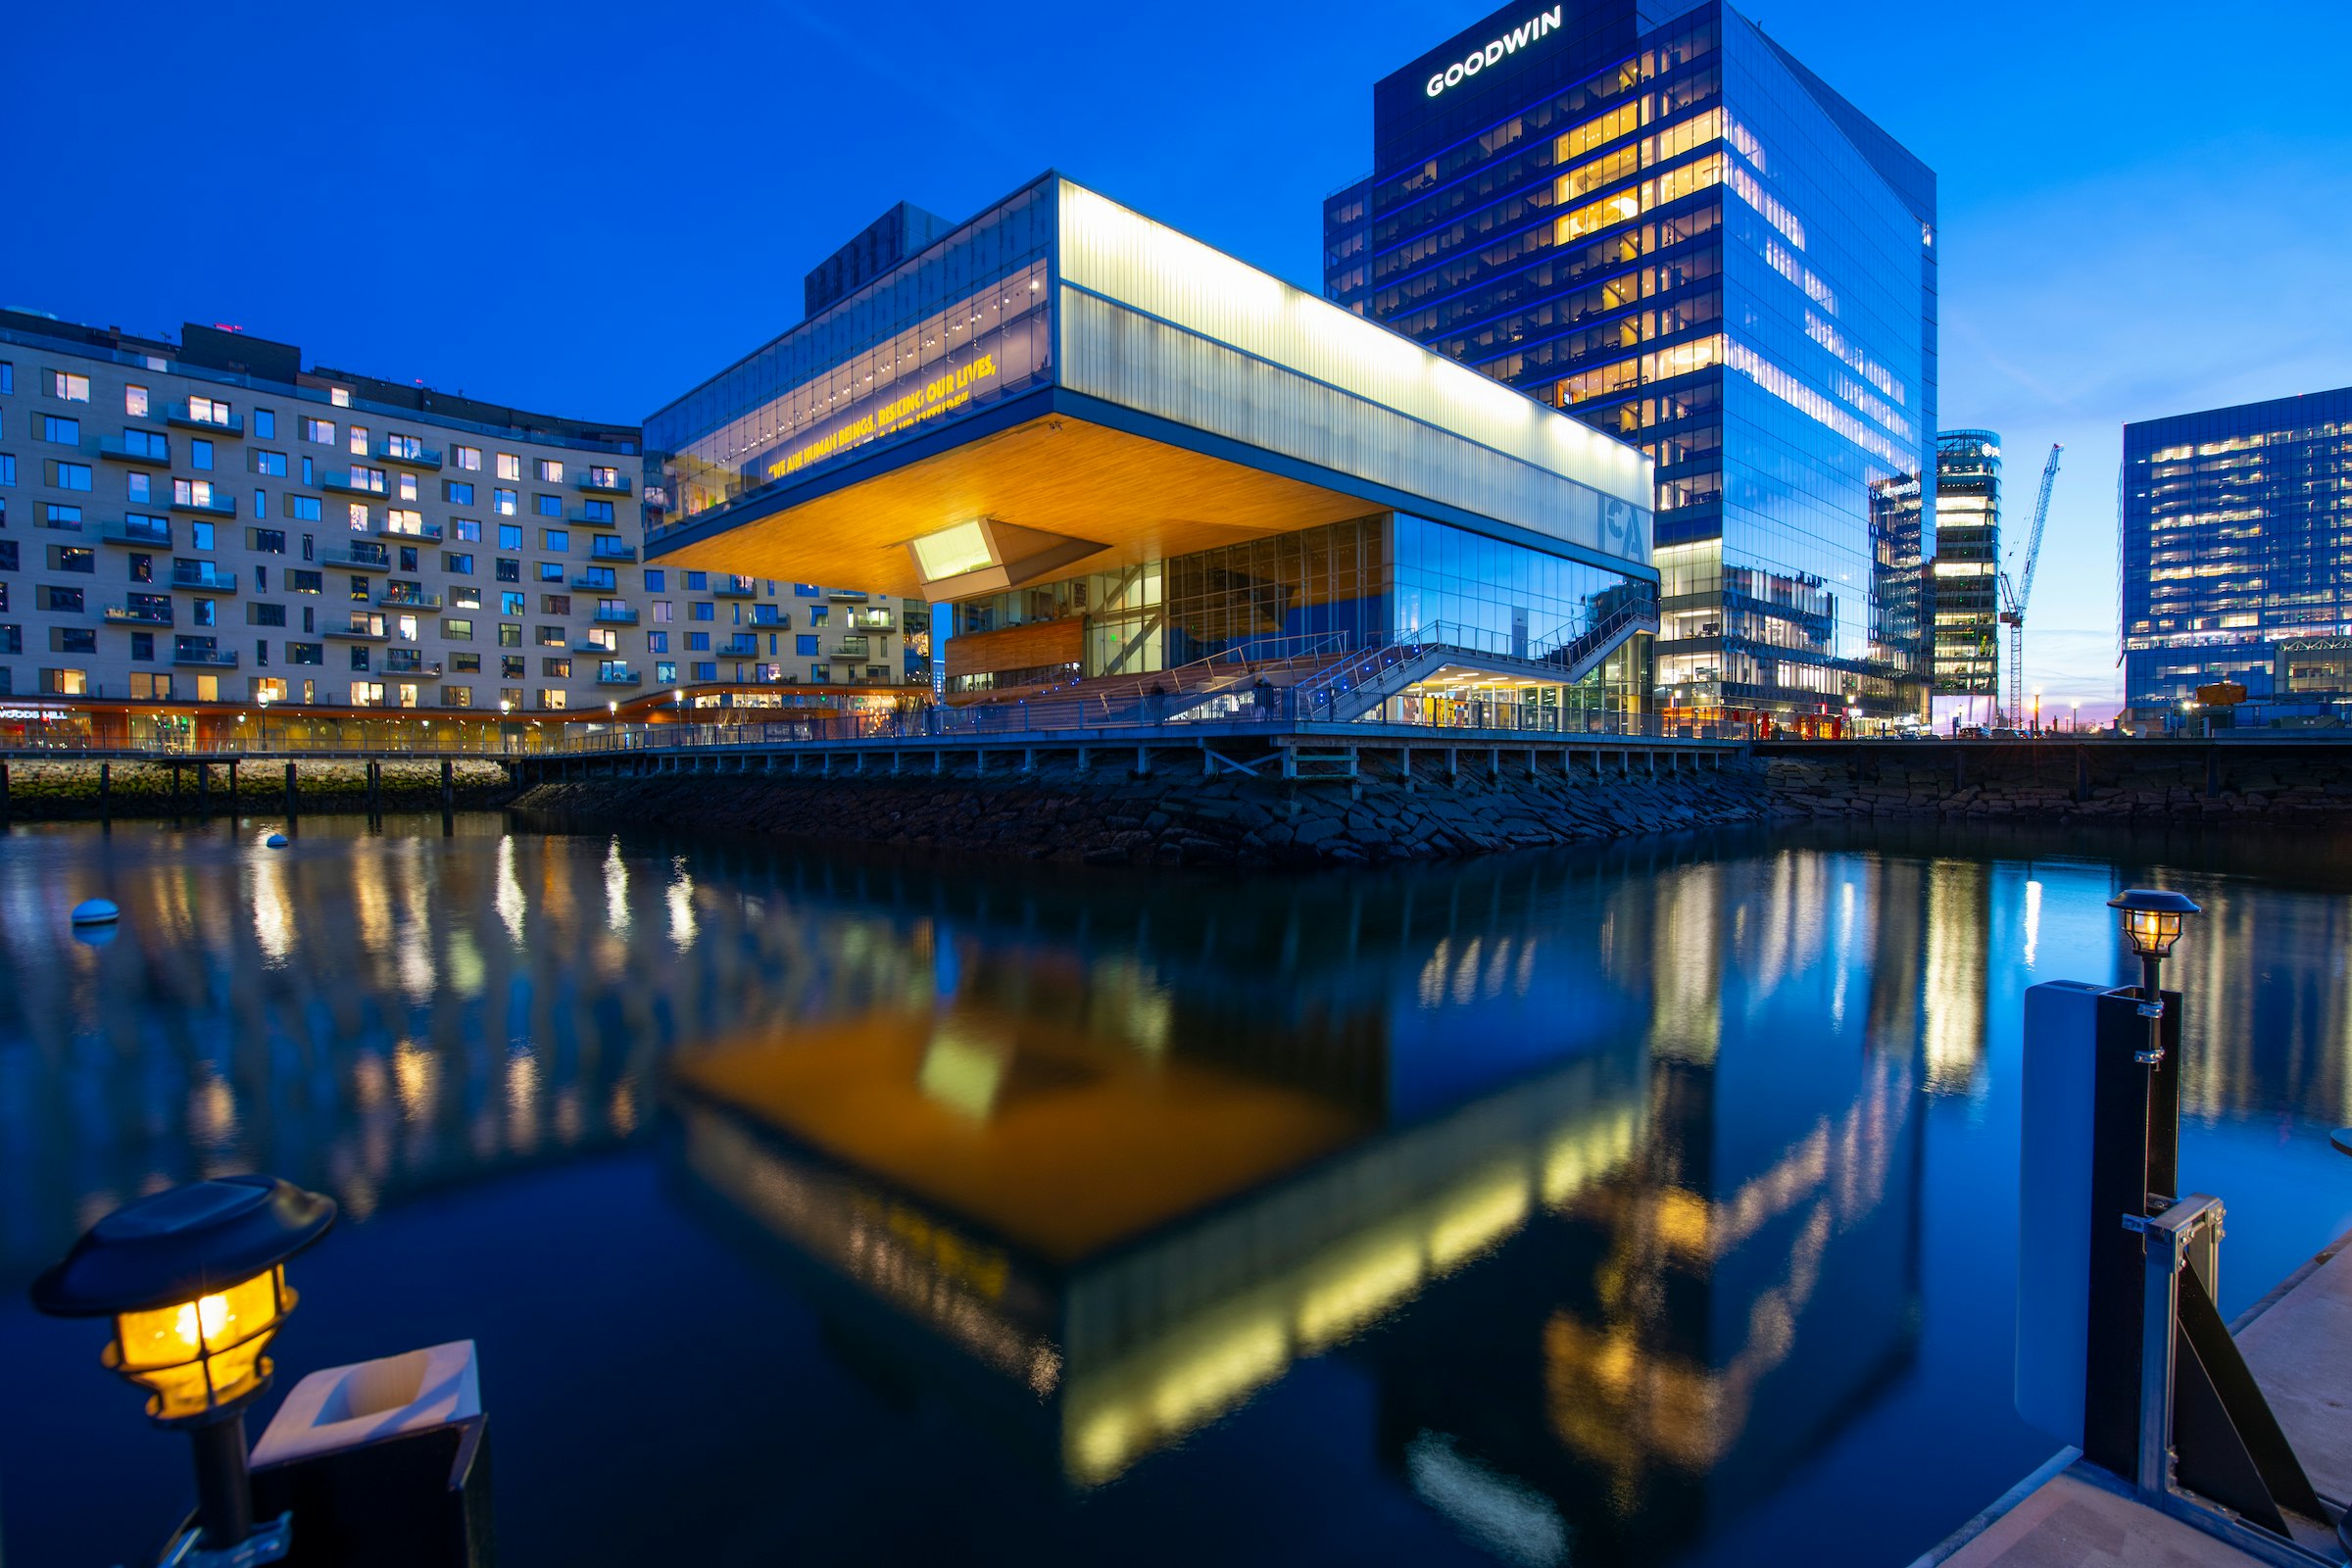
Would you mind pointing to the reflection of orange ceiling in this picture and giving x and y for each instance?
(1110, 1144)
(1146, 500)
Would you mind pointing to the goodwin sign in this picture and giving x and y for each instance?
(1509, 43)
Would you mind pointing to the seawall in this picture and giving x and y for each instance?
(46, 791)
(2190, 782)
(1178, 818)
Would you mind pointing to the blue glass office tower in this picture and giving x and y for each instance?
(1646, 213)
(2237, 538)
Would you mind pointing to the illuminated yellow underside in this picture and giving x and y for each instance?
(1144, 499)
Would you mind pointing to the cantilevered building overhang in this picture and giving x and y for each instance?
(1062, 385)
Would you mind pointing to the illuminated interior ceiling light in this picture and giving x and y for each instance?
(987, 555)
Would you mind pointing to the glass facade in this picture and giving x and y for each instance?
(1650, 217)
(964, 324)
(1965, 585)
(2236, 539)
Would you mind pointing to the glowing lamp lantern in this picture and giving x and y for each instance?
(2152, 920)
(195, 1279)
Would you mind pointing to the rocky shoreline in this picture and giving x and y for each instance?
(41, 791)
(1170, 819)
(2059, 786)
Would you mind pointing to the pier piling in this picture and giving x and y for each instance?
(106, 792)
(289, 795)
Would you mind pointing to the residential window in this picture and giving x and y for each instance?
(555, 603)
(456, 630)
(70, 475)
(303, 509)
(509, 604)
(269, 464)
(551, 471)
(306, 653)
(468, 458)
(356, 444)
(467, 529)
(552, 637)
(139, 487)
(355, 513)
(509, 570)
(150, 444)
(209, 411)
(509, 635)
(134, 402)
(664, 610)
(656, 580)
(72, 639)
(555, 541)
(657, 642)
(65, 601)
(200, 455)
(70, 388)
(698, 582)
(199, 535)
(265, 425)
(260, 614)
(510, 466)
(701, 609)
(308, 475)
(64, 682)
(57, 515)
(595, 511)
(706, 669)
(8, 468)
(7, 376)
(665, 673)
(142, 567)
(547, 506)
(698, 642)
(403, 520)
(608, 478)
(465, 599)
(459, 564)
(319, 433)
(269, 541)
(299, 581)
(62, 431)
(72, 557)
(364, 478)
(551, 572)
(804, 645)
(458, 492)
(408, 487)
(503, 502)
(552, 669)
(463, 664)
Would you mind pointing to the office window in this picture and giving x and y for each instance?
(510, 466)
(62, 431)
(456, 630)
(457, 562)
(134, 402)
(265, 425)
(200, 455)
(303, 509)
(269, 464)
(319, 433)
(70, 387)
(70, 475)
(468, 458)
(503, 502)
(555, 541)
(458, 492)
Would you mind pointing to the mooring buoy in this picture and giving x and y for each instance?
(96, 911)
(276, 841)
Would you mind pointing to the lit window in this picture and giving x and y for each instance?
(70, 388)
(469, 456)
(340, 397)
(551, 471)
(510, 466)
(134, 402)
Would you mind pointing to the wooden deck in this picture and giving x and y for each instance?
(2299, 1343)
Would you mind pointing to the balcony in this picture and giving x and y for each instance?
(593, 648)
(878, 621)
(138, 535)
(607, 615)
(202, 576)
(613, 554)
(589, 582)
(411, 672)
(620, 677)
(582, 517)
(424, 533)
(138, 616)
(342, 485)
(851, 648)
(178, 415)
(357, 558)
(847, 596)
(221, 503)
(356, 631)
(118, 449)
(621, 485)
(407, 600)
(204, 657)
(735, 587)
(389, 451)
(743, 645)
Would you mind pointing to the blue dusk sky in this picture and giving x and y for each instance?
(584, 208)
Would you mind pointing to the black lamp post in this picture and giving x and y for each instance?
(195, 1279)
(2153, 920)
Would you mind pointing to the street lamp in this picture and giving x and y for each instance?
(195, 1279)
(2153, 920)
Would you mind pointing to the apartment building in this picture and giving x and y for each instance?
(205, 532)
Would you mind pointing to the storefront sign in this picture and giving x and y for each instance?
(1510, 43)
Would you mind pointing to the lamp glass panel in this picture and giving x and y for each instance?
(205, 1352)
(952, 552)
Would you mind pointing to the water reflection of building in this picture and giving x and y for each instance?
(1959, 920)
(1134, 1241)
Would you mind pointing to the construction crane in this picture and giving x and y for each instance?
(2014, 595)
